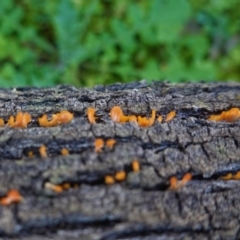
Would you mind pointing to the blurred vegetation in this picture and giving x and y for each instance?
(81, 42)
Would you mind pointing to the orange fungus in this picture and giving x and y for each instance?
(1, 122)
(144, 122)
(160, 118)
(186, 178)
(21, 121)
(64, 152)
(170, 116)
(99, 144)
(136, 166)
(91, 115)
(109, 179)
(53, 187)
(43, 151)
(116, 114)
(57, 119)
(231, 115)
(173, 183)
(120, 176)
(110, 143)
(13, 196)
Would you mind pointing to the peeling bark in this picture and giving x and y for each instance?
(142, 206)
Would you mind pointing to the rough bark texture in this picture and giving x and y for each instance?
(142, 206)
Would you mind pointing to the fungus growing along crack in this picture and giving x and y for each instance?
(30, 154)
(231, 115)
(175, 183)
(135, 166)
(53, 187)
(170, 116)
(120, 176)
(91, 115)
(231, 176)
(21, 121)
(99, 144)
(147, 122)
(160, 119)
(83, 193)
(1, 122)
(60, 118)
(43, 151)
(109, 180)
(13, 196)
(64, 151)
(110, 143)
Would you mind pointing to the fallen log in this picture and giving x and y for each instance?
(66, 193)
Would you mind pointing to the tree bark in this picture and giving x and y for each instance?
(142, 206)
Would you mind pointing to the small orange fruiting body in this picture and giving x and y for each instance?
(231, 176)
(170, 116)
(144, 122)
(116, 114)
(43, 151)
(66, 186)
(57, 119)
(110, 143)
(91, 115)
(43, 121)
(30, 154)
(120, 176)
(99, 144)
(186, 178)
(231, 115)
(64, 152)
(1, 122)
(173, 183)
(109, 180)
(22, 120)
(13, 196)
(237, 176)
(53, 187)
(135, 166)
(160, 119)
(227, 177)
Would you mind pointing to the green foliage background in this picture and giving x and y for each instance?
(81, 42)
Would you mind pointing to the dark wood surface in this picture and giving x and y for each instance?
(142, 206)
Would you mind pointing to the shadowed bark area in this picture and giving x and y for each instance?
(141, 207)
